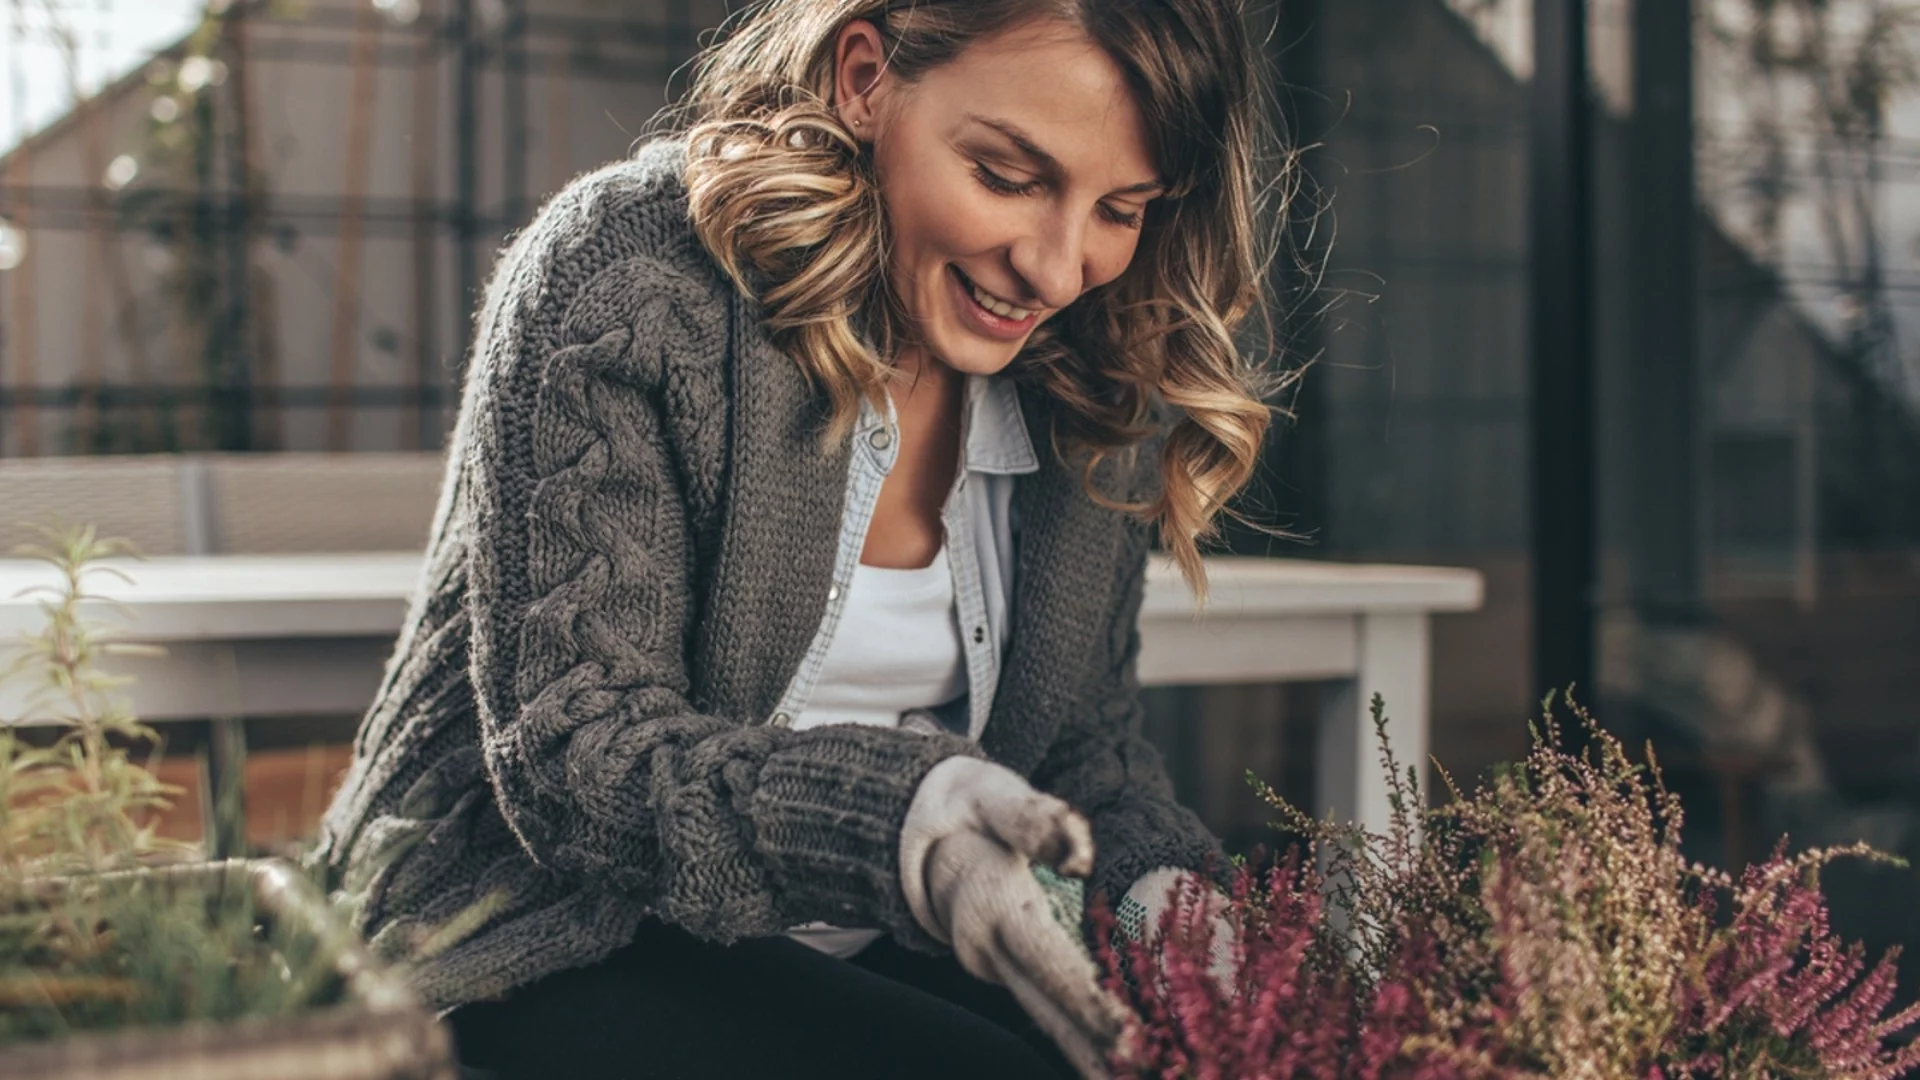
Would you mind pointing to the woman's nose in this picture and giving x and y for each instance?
(1052, 261)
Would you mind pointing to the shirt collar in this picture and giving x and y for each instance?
(996, 430)
(997, 439)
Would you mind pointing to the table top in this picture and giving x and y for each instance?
(224, 597)
(1251, 587)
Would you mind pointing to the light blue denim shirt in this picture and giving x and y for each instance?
(979, 508)
(979, 529)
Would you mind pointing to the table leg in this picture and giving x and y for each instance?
(1394, 664)
(223, 805)
(226, 829)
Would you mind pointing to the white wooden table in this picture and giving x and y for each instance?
(289, 635)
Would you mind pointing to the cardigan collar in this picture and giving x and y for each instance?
(766, 578)
(1066, 557)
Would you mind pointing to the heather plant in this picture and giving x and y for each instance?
(1545, 925)
(1288, 1012)
(1776, 994)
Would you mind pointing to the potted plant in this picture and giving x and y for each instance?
(120, 956)
(1545, 925)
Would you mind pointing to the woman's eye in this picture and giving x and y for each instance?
(995, 182)
(1128, 219)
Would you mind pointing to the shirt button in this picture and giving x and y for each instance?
(833, 591)
(881, 438)
(979, 634)
(781, 719)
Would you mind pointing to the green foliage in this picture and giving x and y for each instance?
(100, 925)
(103, 952)
(83, 803)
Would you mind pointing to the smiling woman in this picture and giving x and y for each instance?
(884, 163)
(780, 614)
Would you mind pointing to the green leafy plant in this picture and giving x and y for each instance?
(101, 926)
(83, 803)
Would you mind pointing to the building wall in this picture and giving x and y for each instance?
(596, 72)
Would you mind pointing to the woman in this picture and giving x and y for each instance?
(779, 612)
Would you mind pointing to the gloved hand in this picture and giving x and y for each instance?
(966, 851)
(1141, 909)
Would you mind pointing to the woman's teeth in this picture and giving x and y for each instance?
(997, 306)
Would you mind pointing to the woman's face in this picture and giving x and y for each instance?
(1015, 179)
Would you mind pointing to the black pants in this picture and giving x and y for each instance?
(671, 1006)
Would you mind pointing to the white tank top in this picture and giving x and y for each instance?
(897, 647)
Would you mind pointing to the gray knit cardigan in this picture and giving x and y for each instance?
(630, 556)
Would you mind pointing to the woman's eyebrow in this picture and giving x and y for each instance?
(1047, 162)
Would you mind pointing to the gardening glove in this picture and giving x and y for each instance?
(967, 849)
(1139, 914)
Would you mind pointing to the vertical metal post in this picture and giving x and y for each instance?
(223, 801)
(8, 211)
(513, 75)
(1667, 455)
(349, 273)
(1562, 361)
(466, 167)
(239, 225)
(22, 338)
(423, 303)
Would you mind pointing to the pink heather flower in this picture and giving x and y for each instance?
(1545, 925)
(1288, 1015)
(1777, 992)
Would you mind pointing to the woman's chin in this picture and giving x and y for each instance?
(974, 357)
(983, 368)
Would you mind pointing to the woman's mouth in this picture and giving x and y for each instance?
(994, 316)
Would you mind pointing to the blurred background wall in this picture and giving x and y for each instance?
(264, 235)
(1628, 323)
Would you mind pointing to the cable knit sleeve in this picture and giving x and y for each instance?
(1101, 764)
(581, 598)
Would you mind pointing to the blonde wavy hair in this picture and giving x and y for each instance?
(785, 198)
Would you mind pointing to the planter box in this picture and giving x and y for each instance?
(378, 1031)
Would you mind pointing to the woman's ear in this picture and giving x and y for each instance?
(859, 63)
